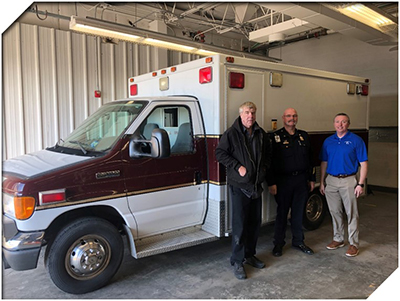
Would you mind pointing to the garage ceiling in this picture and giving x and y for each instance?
(258, 26)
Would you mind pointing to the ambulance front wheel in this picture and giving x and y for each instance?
(314, 211)
(85, 255)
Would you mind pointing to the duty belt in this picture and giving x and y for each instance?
(295, 173)
(343, 176)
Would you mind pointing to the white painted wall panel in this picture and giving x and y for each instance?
(64, 97)
(48, 86)
(49, 79)
(32, 115)
(93, 74)
(107, 72)
(121, 76)
(13, 131)
(80, 83)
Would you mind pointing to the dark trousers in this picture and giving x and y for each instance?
(246, 221)
(292, 193)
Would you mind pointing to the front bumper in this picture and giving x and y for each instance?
(20, 249)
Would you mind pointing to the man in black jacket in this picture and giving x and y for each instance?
(245, 150)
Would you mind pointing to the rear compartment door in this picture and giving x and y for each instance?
(170, 193)
(254, 90)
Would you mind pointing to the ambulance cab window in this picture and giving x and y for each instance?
(171, 117)
(176, 121)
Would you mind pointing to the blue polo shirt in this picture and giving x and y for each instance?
(343, 154)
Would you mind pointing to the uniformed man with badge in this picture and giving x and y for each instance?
(290, 179)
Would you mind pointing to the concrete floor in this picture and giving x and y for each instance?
(204, 272)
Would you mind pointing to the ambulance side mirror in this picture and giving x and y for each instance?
(157, 147)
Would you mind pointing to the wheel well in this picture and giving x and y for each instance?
(105, 212)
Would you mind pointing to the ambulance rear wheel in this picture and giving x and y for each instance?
(85, 255)
(314, 211)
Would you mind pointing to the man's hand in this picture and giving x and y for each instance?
(358, 191)
(322, 189)
(311, 185)
(273, 189)
(242, 171)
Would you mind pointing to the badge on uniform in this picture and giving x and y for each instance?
(277, 139)
(301, 138)
(285, 142)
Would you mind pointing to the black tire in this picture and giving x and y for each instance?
(314, 211)
(85, 255)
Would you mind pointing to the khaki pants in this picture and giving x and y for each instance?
(340, 193)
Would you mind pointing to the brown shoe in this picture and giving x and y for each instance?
(352, 251)
(334, 245)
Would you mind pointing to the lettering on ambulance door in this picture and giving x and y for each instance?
(169, 193)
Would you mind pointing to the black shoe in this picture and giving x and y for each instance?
(255, 262)
(239, 271)
(305, 249)
(277, 251)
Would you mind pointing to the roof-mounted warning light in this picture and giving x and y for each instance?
(205, 75)
(163, 83)
(364, 90)
(133, 90)
(236, 80)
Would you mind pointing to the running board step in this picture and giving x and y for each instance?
(171, 241)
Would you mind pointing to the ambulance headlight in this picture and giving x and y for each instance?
(8, 205)
(20, 207)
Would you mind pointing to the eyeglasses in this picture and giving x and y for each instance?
(288, 116)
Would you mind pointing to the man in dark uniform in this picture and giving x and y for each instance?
(245, 151)
(290, 179)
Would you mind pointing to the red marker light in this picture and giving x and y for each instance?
(53, 196)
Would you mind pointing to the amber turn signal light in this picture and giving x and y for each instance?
(24, 207)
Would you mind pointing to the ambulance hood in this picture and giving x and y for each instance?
(36, 163)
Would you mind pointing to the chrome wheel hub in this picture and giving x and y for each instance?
(87, 257)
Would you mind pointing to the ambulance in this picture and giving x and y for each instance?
(144, 167)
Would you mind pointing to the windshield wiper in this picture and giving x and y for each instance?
(84, 151)
(58, 142)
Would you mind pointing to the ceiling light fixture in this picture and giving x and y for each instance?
(365, 15)
(121, 32)
(125, 33)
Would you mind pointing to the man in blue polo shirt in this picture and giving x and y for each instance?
(341, 156)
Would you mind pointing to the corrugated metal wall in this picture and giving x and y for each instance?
(49, 79)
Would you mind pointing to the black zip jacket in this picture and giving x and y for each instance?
(232, 152)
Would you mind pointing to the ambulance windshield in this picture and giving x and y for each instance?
(98, 133)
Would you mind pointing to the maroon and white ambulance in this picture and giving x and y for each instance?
(145, 167)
